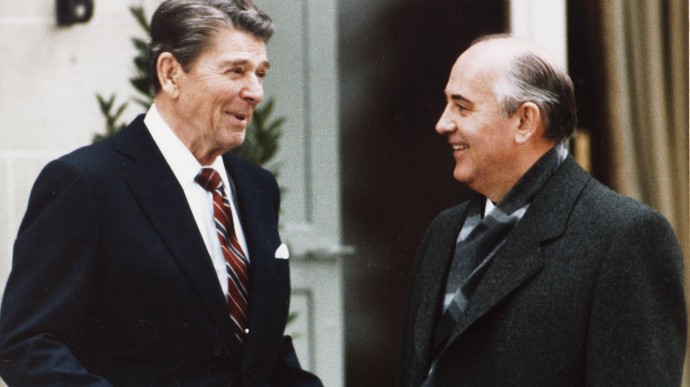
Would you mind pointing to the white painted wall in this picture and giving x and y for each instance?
(49, 77)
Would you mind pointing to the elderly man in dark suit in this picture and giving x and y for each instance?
(153, 258)
(546, 277)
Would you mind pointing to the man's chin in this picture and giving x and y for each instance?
(234, 140)
(461, 176)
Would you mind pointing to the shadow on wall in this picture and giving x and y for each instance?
(395, 57)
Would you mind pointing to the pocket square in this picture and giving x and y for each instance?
(282, 252)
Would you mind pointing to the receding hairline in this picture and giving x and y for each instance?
(500, 52)
(524, 70)
(514, 47)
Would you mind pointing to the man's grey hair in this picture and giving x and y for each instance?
(184, 27)
(533, 78)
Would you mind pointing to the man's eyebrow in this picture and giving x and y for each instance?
(240, 62)
(459, 98)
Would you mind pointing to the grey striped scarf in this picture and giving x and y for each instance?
(480, 238)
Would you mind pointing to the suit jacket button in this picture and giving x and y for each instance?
(216, 352)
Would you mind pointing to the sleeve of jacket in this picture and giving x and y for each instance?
(47, 291)
(411, 370)
(288, 372)
(638, 323)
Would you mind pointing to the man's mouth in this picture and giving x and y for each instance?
(460, 147)
(242, 118)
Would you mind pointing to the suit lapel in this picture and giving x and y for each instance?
(259, 224)
(520, 258)
(148, 177)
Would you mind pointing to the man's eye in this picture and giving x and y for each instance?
(236, 71)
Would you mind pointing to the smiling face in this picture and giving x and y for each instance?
(213, 102)
(482, 138)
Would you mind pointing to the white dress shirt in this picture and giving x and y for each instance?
(185, 167)
(488, 207)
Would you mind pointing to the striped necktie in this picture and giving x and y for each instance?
(236, 261)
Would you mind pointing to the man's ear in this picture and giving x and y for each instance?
(530, 122)
(169, 71)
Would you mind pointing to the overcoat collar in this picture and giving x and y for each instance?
(520, 257)
(148, 175)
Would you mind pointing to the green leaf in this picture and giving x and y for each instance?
(146, 104)
(140, 45)
(119, 111)
(111, 119)
(140, 17)
(142, 64)
(142, 85)
(267, 108)
(274, 127)
(105, 105)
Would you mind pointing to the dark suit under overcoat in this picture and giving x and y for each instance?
(112, 283)
(586, 290)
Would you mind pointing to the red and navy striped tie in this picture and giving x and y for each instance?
(235, 260)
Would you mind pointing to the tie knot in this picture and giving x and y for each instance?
(209, 179)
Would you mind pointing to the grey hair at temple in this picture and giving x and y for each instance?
(534, 77)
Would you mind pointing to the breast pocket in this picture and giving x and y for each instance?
(282, 265)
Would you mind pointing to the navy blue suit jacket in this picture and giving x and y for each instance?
(112, 284)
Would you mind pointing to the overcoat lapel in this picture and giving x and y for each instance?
(431, 279)
(162, 199)
(520, 257)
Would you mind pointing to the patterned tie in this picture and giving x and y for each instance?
(235, 259)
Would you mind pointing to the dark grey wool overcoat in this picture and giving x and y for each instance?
(587, 290)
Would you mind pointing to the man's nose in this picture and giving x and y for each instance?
(253, 92)
(445, 124)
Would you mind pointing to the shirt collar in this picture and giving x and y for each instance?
(488, 207)
(180, 159)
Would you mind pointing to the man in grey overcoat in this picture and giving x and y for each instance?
(546, 277)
